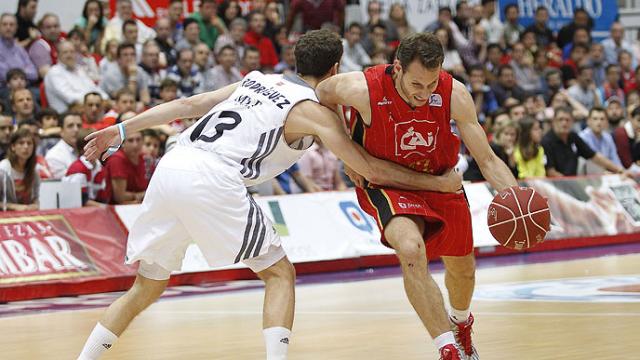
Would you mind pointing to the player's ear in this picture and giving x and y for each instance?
(396, 65)
(334, 69)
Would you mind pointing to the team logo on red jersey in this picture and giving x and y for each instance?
(435, 100)
(415, 137)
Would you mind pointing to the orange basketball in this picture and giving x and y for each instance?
(519, 218)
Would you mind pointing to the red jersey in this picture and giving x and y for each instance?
(137, 175)
(93, 179)
(419, 138)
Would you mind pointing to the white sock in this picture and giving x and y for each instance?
(100, 340)
(459, 316)
(277, 342)
(444, 339)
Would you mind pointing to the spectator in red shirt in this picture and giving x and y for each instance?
(316, 13)
(96, 189)
(633, 85)
(255, 37)
(129, 171)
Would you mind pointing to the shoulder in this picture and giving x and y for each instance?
(461, 102)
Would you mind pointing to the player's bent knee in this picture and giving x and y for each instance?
(411, 251)
(283, 270)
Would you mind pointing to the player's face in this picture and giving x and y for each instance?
(416, 82)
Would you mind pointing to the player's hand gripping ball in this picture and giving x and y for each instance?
(519, 218)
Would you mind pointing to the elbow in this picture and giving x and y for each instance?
(375, 175)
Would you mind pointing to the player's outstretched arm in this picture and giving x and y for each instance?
(310, 119)
(192, 107)
(463, 111)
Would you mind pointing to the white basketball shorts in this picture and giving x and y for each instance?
(195, 196)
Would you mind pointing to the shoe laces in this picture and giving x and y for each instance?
(464, 335)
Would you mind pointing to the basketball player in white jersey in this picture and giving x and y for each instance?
(250, 132)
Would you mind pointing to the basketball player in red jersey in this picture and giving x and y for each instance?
(401, 112)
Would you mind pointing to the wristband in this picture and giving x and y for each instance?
(113, 148)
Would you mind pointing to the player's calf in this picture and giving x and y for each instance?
(279, 304)
(118, 315)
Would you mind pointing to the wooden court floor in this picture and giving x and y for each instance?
(357, 320)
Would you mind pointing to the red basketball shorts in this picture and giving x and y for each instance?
(446, 215)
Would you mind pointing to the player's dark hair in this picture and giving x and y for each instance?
(317, 52)
(424, 47)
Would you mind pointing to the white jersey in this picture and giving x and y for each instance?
(247, 129)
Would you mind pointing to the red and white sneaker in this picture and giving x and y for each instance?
(463, 337)
(452, 352)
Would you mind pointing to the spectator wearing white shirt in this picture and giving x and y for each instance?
(124, 11)
(616, 43)
(226, 72)
(584, 90)
(490, 22)
(64, 153)
(66, 82)
(354, 56)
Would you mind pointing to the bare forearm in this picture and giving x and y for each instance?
(607, 164)
(389, 174)
(193, 107)
(496, 172)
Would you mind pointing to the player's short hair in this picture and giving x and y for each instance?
(424, 47)
(635, 112)
(317, 52)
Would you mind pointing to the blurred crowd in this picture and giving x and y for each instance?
(551, 104)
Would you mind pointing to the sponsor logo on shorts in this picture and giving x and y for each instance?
(409, 205)
(435, 100)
